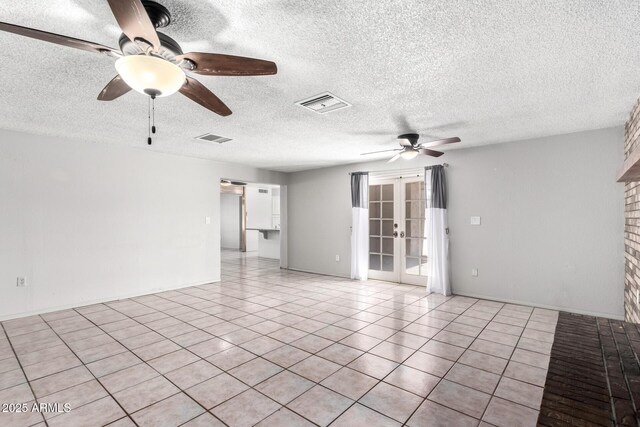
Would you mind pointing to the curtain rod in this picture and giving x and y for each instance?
(408, 170)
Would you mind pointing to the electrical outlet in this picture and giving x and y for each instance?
(21, 282)
(474, 272)
(337, 258)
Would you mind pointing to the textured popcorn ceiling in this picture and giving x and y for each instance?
(487, 71)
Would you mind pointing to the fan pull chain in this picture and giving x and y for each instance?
(149, 140)
(153, 119)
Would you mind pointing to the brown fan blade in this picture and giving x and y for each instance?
(57, 39)
(214, 64)
(195, 91)
(114, 89)
(440, 142)
(383, 151)
(432, 153)
(134, 21)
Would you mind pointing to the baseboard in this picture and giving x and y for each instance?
(100, 301)
(549, 307)
(299, 270)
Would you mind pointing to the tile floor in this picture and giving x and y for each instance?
(271, 347)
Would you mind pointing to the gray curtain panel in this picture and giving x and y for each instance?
(438, 187)
(360, 190)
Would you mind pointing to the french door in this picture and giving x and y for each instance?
(397, 241)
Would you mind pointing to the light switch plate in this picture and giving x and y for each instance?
(337, 258)
(475, 220)
(207, 220)
(474, 272)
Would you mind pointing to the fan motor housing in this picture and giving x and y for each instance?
(412, 137)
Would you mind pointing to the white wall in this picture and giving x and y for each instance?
(259, 206)
(552, 220)
(87, 222)
(230, 220)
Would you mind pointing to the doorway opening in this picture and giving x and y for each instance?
(397, 240)
(249, 221)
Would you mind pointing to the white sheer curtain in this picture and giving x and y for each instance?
(437, 230)
(360, 225)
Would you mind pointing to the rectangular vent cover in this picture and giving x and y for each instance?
(324, 103)
(209, 137)
(262, 190)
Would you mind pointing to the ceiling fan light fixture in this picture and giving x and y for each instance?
(409, 154)
(150, 75)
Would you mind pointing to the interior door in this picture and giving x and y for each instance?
(396, 230)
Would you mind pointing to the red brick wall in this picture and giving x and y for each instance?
(632, 223)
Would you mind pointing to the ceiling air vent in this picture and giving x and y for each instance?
(209, 137)
(263, 190)
(323, 103)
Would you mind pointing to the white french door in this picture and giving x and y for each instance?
(397, 241)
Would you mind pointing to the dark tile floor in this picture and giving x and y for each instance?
(594, 374)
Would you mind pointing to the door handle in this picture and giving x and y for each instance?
(402, 234)
(395, 234)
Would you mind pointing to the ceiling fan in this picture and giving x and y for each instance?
(410, 147)
(151, 62)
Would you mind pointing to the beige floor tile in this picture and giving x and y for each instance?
(311, 343)
(441, 349)
(535, 345)
(286, 356)
(391, 401)
(113, 364)
(350, 383)
(284, 418)
(261, 345)
(173, 411)
(531, 358)
(391, 351)
(360, 341)
(11, 378)
(156, 349)
(464, 399)
(421, 330)
(76, 396)
(520, 392)
(60, 381)
(144, 394)
(229, 359)
(503, 413)
(454, 338)
(315, 368)
(413, 380)
(340, 354)
(473, 377)
(372, 365)
(505, 329)
(246, 409)
(210, 347)
(359, 415)
(408, 340)
(216, 390)
(100, 412)
(320, 405)
(204, 420)
(483, 361)
(284, 387)
(195, 373)
(492, 348)
(128, 378)
(255, 371)
(172, 361)
(428, 363)
(527, 373)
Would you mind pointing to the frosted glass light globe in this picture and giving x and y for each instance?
(409, 154)
(149, 74)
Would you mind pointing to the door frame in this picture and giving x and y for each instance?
(399, 274)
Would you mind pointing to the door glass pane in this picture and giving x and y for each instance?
(387, 228)
(413, 265)
(374, 244)
(374, 210)
(374, 193)
(374, 262)
(387, 246)
(387, 192)
(387, 263)
(423, 266)
(387, 210)
(374, 227)
(414, 228)
(413, 247)
(413, 190)
(415, 209)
